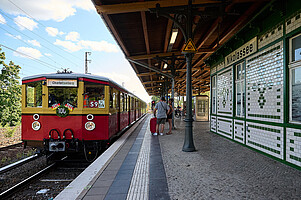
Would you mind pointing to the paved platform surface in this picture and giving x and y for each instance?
(155, 167)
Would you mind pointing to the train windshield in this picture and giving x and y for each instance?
(61, 95)
(94, 95)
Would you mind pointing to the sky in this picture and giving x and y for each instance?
(47, 36)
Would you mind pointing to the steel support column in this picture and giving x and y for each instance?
(188, 142)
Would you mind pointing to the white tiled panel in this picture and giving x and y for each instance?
(213, 123)
(239, 131)
(264, 78)
(224, 127)
(224, 92)
(266, 138)
(293, 146)
(270, 36)
(293, 23)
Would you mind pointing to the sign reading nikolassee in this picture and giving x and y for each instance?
(242, 52)
(61, 83)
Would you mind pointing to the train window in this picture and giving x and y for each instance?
(34, 94)
(62, 95)
(121, 102)
(126, 102)
(94, 95)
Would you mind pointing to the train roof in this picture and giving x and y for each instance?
(72, 75)
(68, 76)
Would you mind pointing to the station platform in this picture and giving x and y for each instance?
(142, 166)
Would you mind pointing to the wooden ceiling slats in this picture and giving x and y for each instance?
(142, 36)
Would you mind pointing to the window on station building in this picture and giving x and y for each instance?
(94, 95)
(295, 78)
(240, 89)
(34, 94)
(213, 91)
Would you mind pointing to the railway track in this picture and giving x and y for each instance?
(46, 183)
(11, 146)
(18, 163)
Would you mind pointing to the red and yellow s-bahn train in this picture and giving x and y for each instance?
(65, 113)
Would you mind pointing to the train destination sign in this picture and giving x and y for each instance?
(61, 83)
(242, 52)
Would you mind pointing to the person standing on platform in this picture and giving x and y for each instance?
(161, 109)
(169, 116)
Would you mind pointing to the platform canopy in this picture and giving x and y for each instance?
(147, 35)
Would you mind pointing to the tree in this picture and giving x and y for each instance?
(10, 93)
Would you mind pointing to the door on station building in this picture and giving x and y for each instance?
(202, 108)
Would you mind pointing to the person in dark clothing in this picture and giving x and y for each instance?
(169, 116)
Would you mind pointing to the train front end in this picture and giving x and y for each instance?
(65, 113)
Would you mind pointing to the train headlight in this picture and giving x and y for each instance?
(36, 125)
(36, 116)
(90, 126)
(90, 117)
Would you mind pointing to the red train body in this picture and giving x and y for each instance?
(75, 113)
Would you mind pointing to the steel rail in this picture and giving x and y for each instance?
(23, 183)
(10, 146)
(18, 163)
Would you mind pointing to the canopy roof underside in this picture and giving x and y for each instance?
(146, 38)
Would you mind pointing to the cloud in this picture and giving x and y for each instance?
(73, 36)
(34, 43)
(70, 46)
(27, 52)
(47, 54)
(89, 45)
(15, 37)
(57, 10)
(2, 20)
(53, 31)
(25, 22)
(98, 46)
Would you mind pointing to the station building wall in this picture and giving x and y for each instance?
(256, 99)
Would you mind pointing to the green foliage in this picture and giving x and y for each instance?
(9, 131)
(10, 93)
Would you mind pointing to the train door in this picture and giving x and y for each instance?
(118, 110)
(129, 108)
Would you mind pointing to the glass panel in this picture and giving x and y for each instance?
(238, 72)
(201, 107)
(238, 99)
(62, 96)
(296, 48)
(296, 94)
(213, 100)
(34, 94)
(94, 95)
(243, 99)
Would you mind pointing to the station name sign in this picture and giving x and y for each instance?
(242, 52)
(61, 83)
